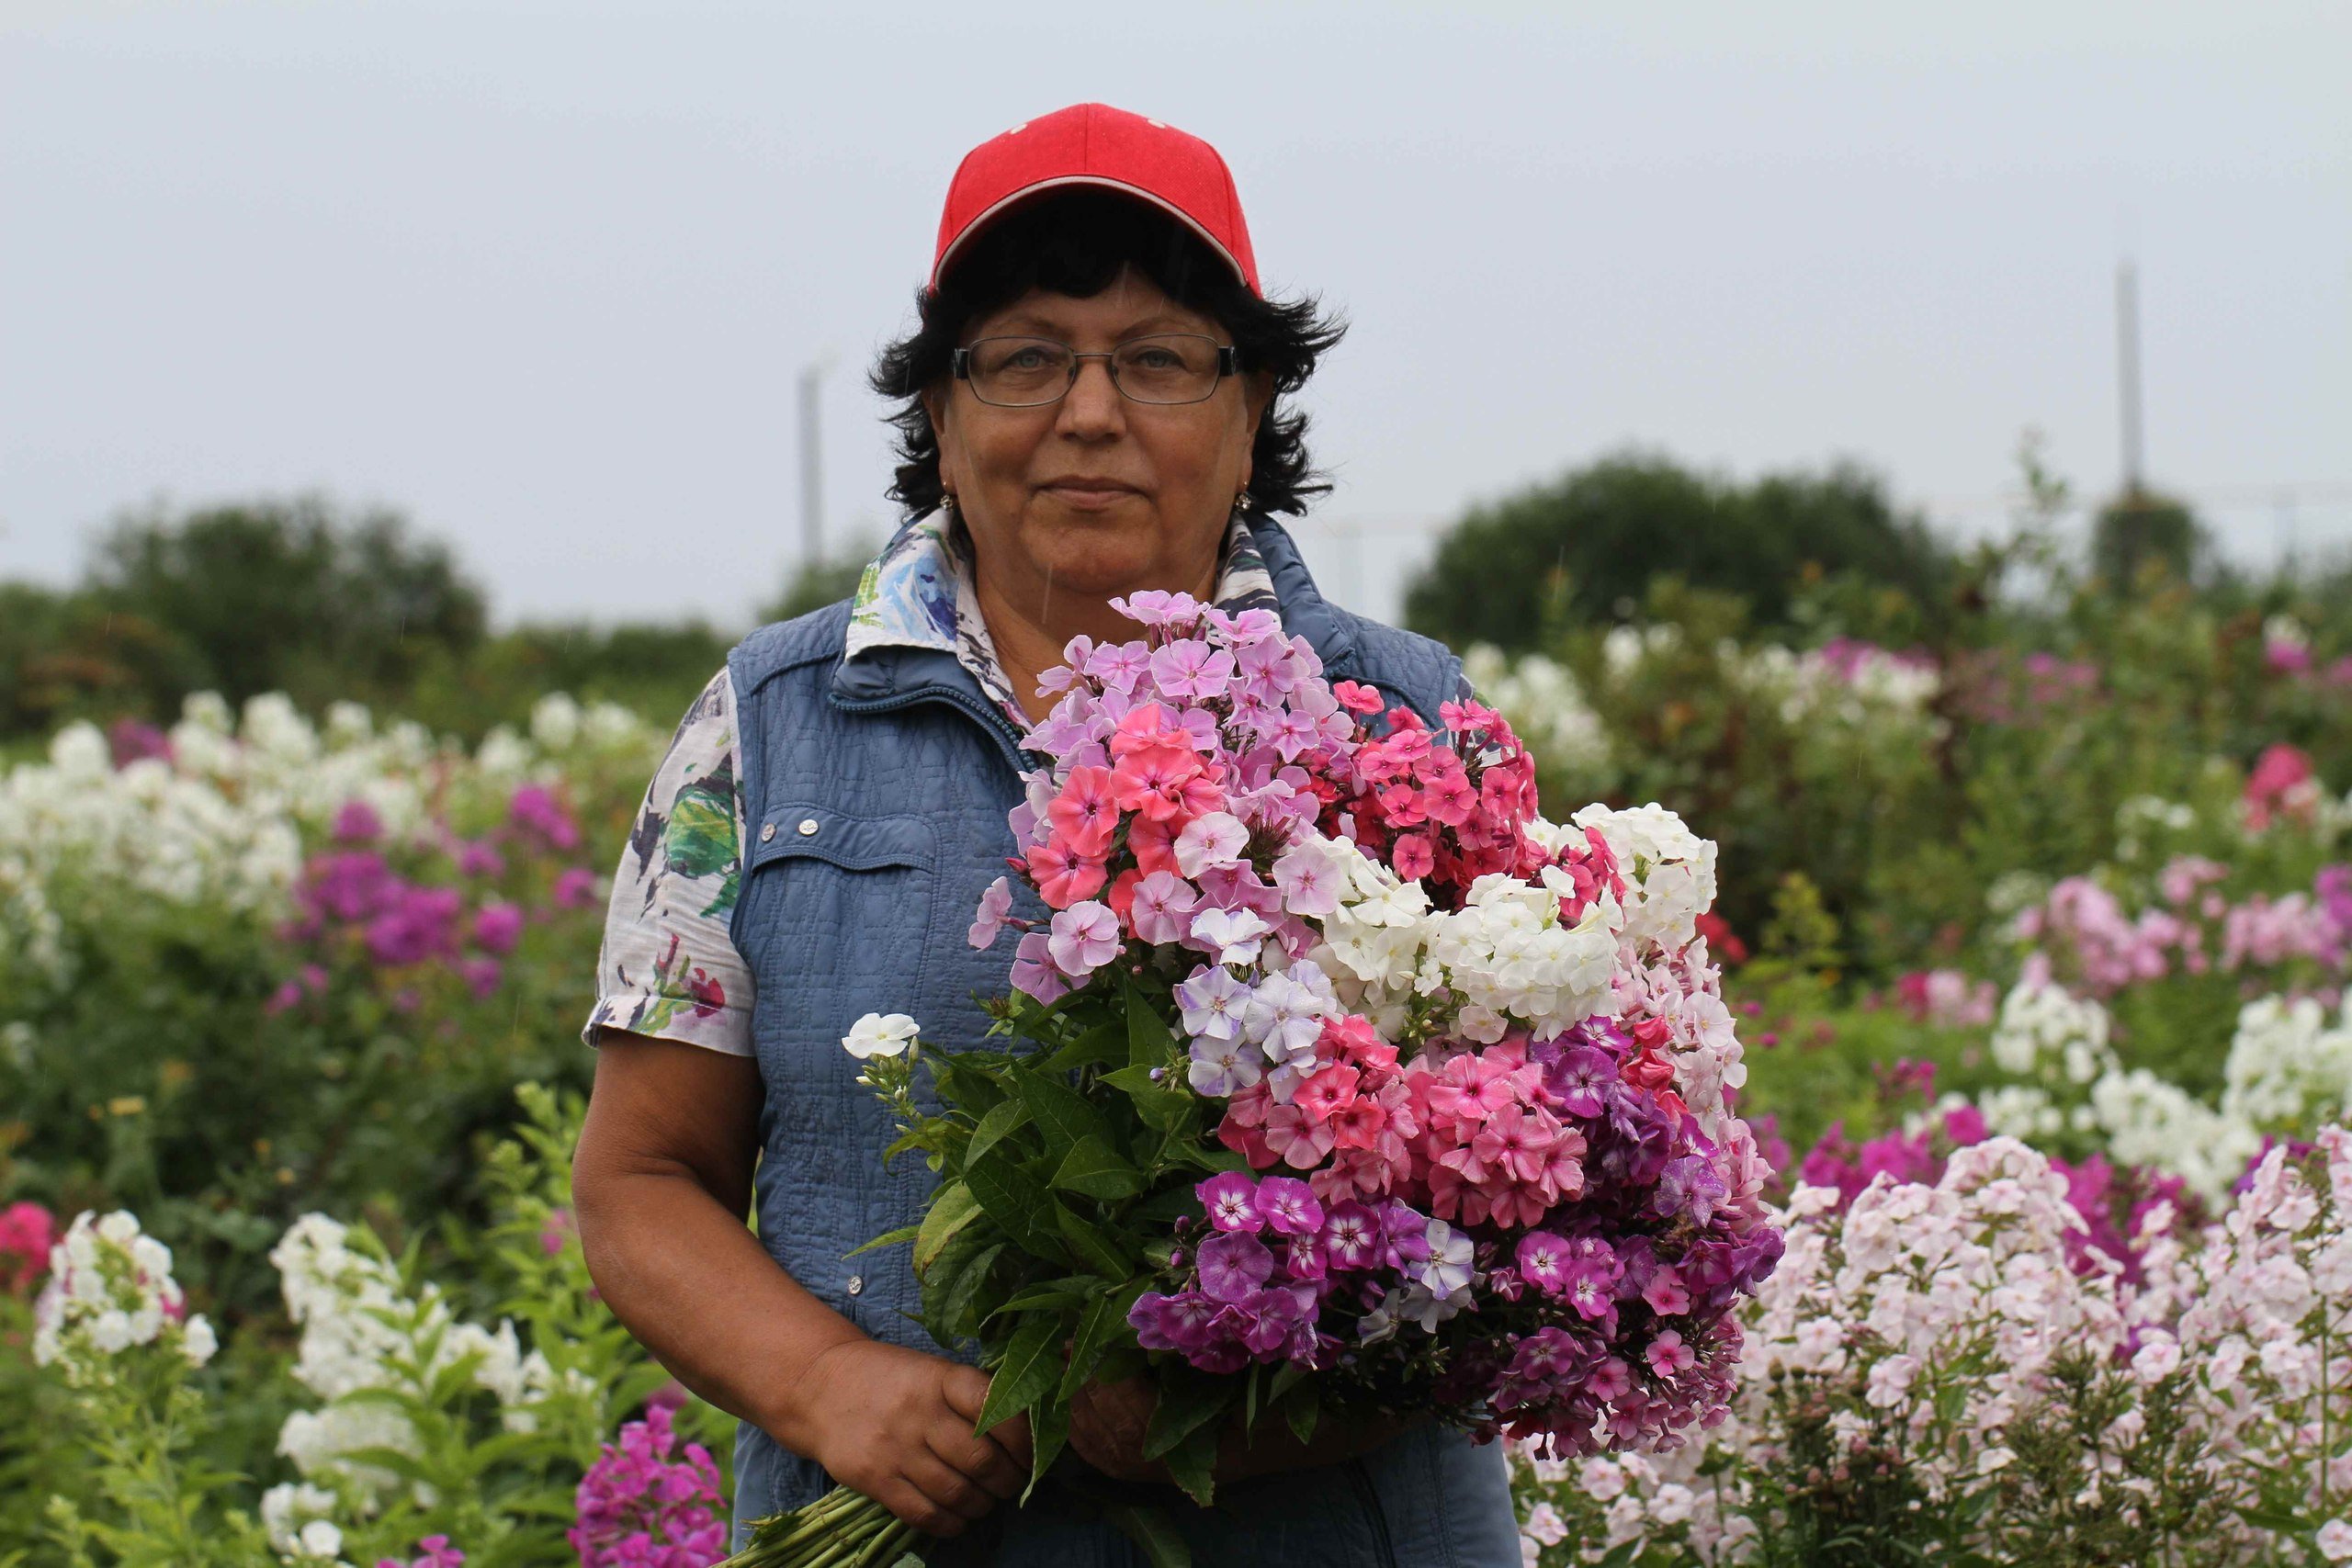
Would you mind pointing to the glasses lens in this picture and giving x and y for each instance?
(1174, 367)
(1020, 370)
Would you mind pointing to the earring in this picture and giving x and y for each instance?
(947, 502)
(1240, 497)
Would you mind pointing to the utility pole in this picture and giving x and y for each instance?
(2127, 353)
(812, 484)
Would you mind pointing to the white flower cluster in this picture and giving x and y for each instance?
(2288, 1069)
(1853, 685)
(1544, 704)
(2043, 1030)
(2265, 1315)
(1670, 871)
(360, 1331)
(1927, 1324)
(110, 1289)
(221, 822)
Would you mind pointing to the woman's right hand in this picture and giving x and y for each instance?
(897, 1424)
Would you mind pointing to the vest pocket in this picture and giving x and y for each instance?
(814, 832)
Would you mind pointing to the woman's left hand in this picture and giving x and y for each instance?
(1107, 1422)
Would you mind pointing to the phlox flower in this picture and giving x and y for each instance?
(1350, 1236)
(1188, 668)
(880, 1034)
(988, 922)
(1065, 877)
(1213, 838)
(1231, 1200)
(1229, 936)
(1162, 905)
(1083, 938)
(1083, 814)
(1035, 972)
(1289, 1206)
(1211, 1002)
(1232, 1265)
(1221, 1068)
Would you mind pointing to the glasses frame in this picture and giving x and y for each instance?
(1228, 363)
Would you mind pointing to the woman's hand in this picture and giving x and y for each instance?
(897, 1424)
(1107, 1422)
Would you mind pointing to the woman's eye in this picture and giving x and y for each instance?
(1157, 359)
(1030, 359)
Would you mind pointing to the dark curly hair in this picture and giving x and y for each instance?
(1075, 242)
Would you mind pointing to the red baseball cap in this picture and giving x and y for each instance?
(1094, 144)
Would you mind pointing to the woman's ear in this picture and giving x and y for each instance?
(1257, 395)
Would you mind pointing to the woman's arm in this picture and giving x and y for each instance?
(659, 1185)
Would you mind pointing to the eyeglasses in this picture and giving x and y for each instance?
(1030, 372)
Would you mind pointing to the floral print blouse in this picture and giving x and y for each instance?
(669, 967)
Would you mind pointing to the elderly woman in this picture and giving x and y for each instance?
(1090, 409)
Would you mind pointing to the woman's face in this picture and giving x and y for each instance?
(1096, 495)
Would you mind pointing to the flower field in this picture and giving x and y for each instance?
(2037, 951)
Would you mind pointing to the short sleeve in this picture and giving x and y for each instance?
(669, 967)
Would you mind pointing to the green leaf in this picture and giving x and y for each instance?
(1149, 1042)
(1091, 1247)
(1094, 1169)
(1011, 1196)
(1105, 1321)
(1048, 1430)
(888, 1238)
(1153, 1532)
(994, 1127)
(1161, 1108)
(1185, 1402)
(1060, 1294)
(960, 1295)
(1302, 1409)
(952, 1208)
(1104, 1045)
(1164, 1208)
(1061, 1113)
(1031, 1366)
(1193, 1463)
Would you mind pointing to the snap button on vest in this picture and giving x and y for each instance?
(807, 827)
(857, 1284)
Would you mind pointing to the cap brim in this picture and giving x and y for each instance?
(997, 208)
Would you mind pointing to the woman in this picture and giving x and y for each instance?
(1089, 410)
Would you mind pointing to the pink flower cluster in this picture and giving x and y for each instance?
(27, 1232)
(437, 1553)
(2083, 934)
(2282, 786)
(1947, 999)
(639, 1507)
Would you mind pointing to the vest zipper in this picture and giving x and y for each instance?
(1360, 1477)
(1008, 739)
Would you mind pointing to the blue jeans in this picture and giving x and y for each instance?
(1427, 1498)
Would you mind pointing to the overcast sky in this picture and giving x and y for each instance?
(543, 275)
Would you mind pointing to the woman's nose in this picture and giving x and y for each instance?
(1093, 406)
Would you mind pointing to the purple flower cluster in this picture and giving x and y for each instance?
(350, 898)
(1274, 1255)
(640, 1509)
(437, 1553)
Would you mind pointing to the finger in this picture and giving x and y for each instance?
(978, 1458)
(913, 1506)
(948, 1487)
(1012, 1435)
(966, 1388)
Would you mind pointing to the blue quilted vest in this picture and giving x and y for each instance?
(876, 793)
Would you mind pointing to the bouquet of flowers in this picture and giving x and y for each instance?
(1332, 1077)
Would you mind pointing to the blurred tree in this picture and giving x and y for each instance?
(66, 655)
(815, 584)
(2140, 538)
(1584, 547)
(288, 596)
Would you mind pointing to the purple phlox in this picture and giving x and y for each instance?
(1289, 1206)
(1222, 1068)
(1234, 1265)
(1229, 936)
(1033, 972)
(1351, 1235)
(1210, 1003)
(1231, 1200)
(1164, 903)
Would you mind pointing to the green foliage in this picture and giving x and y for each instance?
(1586, 549)
(288, 596)
(2141, 540)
